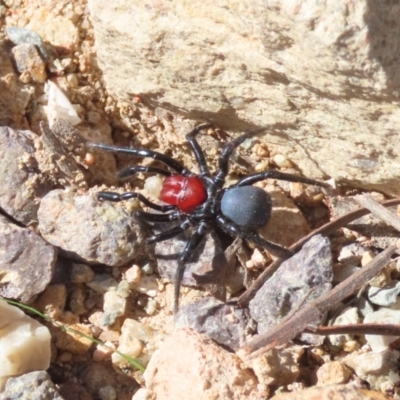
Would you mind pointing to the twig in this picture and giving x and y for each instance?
(378, 210)
(357, 329)
(326, 229)
(287, 330)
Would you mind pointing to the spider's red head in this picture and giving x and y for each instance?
(185, 192)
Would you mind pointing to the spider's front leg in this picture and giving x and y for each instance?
(117, 197)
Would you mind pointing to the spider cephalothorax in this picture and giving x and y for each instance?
(200, 200)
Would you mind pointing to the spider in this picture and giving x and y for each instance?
(200, 200)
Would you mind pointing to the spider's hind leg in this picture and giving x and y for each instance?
(234, 230)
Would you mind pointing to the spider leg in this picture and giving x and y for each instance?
(150, 217)
(167, 160)
(190, 247)
(260, 176)
(116, 197)
(227, 152)
(132, 170)
(169, 234)
(234, 230)
(197, 150)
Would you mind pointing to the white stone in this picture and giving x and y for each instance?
(59, 106)
(383, 316)
(24, 343)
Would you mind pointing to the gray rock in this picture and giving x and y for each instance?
(302, 278)
(36, 385)
(384, 296)
(224, 323)
(27, 59)
(21, 185)
(22, 35)
(26, 262)
(89, 230)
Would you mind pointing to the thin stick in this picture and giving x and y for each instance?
(357, 329)
(325, 230)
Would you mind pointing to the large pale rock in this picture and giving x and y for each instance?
(190, 365)
(324, 75)
(24, 343)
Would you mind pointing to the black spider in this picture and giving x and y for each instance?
(201, 200)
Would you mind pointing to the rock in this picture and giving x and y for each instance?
(384, 296)
(72, 341)
(81, 273)
(27, 59)
(26, 262)
(287, 224)
(12, 113)
(107, 393)
(52, 301)
(57, 30)
(95, 376)
(129, 344)
(337, 392)
(21, 185)
(380, 370)
(21, 36)
(114, 307)
(333, 373)
(88, 230)
(133, 274)
(24, 344)
(35, 385)
(224, 323)
(380, 343)
(206, 265)
(77, 299)
(209, 372)
(348, 316)
(278, 366)
(102, 283)
(268, 64)
(148, 285)
(73, 391)
(302, 278)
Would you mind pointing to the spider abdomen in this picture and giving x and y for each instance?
(247, 206)
(185, 192)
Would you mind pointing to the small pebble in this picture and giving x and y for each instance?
(148, 269)
(153, 185)
(282, 161)
(81, 273)
(107, 393)
(384, 296)
(114, 307)
(64, 357)
(123, 289)
(383, 316)
(102, 353)
(102, 283)
(129, 344)
(147, 285)
(347, 317)
(367, 257)
(333, 373)
(133, 274)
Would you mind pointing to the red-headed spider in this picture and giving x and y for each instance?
(200, 199)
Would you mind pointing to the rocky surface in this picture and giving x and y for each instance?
(303, 71)
(317, 74)
(189, 365)
(26, 262)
